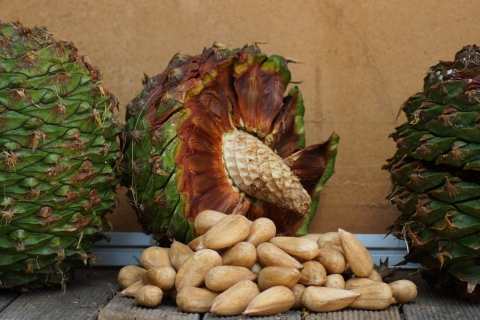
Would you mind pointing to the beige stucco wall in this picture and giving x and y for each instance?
(361, 60)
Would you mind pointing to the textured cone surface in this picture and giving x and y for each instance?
(260, 172)
(189, 137)
(435, 172)
(58, 150)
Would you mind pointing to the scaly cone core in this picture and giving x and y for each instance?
(260, 173)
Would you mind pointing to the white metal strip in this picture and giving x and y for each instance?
(125, 248)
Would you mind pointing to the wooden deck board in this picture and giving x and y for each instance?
(88, 297)
(6, 298)
(290, 315)
(85, 296)
(391, 313)
(433, 305)
(123, 308)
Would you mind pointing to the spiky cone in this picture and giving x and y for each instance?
(58, 149)
(215, 131)
(435, 173)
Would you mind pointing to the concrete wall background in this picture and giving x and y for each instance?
(361, 61)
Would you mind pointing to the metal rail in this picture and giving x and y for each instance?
(125, 248)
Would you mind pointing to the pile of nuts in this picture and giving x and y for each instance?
(236, 266)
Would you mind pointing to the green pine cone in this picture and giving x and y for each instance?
(435, 174)
(58, 150)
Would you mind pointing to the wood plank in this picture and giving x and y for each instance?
(433, 305)
(122, 308)
(7, 297)
(85, 296)
(290, 315)
(391, 313)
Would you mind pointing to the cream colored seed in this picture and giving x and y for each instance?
(403, 290)
(270, 255)
(234, 300)
(301, 248)
(178, 254)
(375, 296)
(322, 299)
(193, 271)
(206, 219)
(261, 230)
(195, 300)
(357, 256)
(221, 278)
(155, 257)
(229, 231)
(128, 275)
(274, 300)
(243, 254)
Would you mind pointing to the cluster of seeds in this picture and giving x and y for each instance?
(236, 266)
